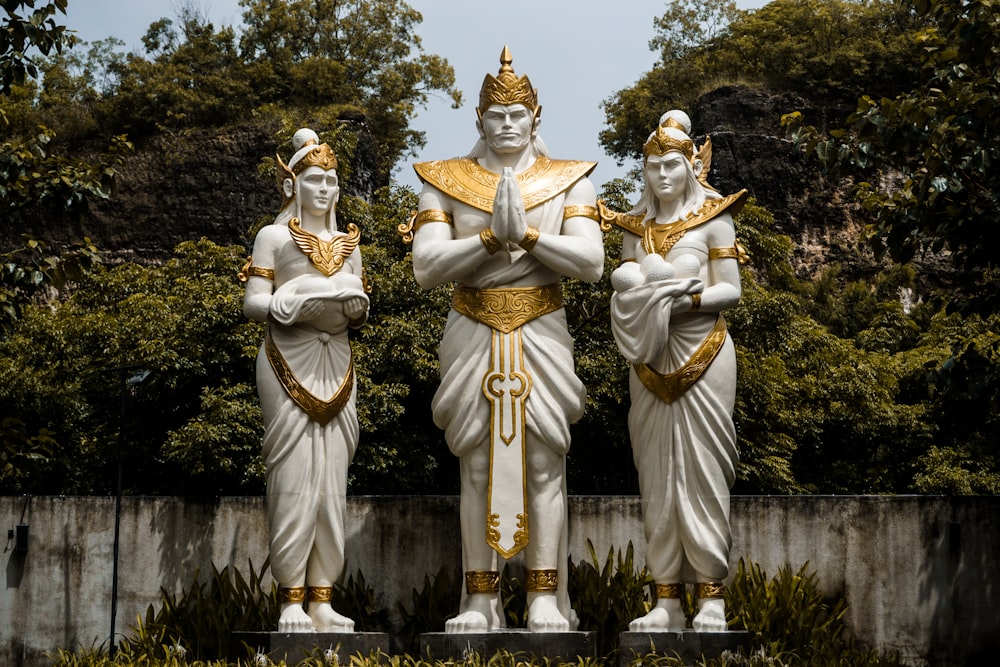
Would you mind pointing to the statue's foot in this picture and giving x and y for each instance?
(711, 617)
(666, 616)
(479, 614)
(325, 619)
(544, 615)
(294, 619)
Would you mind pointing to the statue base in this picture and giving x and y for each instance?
(689, 645)
(564, 646)
(293, 647)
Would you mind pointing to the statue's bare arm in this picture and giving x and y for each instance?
(257, 298)
(439, 257)
(722, 289)
(578, 250)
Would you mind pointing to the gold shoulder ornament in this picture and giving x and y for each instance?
(661, 238)
(463, 179)
(327, 256)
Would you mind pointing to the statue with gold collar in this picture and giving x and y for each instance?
(679, 272)
(304, 280)
(505, 224)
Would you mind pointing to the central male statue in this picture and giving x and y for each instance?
(506, 223)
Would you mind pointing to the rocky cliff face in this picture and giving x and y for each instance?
(179, 187)
(750, 151)
(207, 183)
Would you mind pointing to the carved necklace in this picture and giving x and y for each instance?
(327, 256)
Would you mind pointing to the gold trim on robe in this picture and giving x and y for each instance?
(668, 387)
(318, 409)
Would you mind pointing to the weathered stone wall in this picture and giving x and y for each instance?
(919, 573)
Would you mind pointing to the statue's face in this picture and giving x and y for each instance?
(667, 175)
(319, 190)
(507, 128)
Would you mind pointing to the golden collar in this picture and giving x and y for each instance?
(710, 209)
(464, 180)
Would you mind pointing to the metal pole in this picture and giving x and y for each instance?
(118, 518)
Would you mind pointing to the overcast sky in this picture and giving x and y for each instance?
(576, 53)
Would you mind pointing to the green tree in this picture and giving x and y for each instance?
(20, 33)
(929, 156)
(352, 52)
(816, 48)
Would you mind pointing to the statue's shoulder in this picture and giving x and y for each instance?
(630, 223)
(272, 233)
(436, 171)
(731, 204)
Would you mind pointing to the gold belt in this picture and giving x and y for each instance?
(668, 387)
(318, 409)
(506, 308)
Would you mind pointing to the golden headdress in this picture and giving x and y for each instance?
(662, 142)
(507, 88)
(309, 153)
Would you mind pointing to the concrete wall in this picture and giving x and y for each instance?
(920, 573)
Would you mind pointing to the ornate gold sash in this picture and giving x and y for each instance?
(668, 387)
(505, 309)
(317, 409)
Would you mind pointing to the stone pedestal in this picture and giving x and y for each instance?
(686, 644)
(295, 646)
(564, 646)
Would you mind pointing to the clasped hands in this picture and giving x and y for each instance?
(509, 222)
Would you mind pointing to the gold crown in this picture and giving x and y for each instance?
(662, 143)
(506, 87)
(323, 157)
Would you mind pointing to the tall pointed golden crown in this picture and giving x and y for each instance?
(506, 87)
(661, 143)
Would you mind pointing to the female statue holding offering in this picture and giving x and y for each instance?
(679, 272)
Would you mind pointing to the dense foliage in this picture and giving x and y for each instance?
(929, 157)
(841, 390)
(819, 49)
(21, 33)
(845, 386)
(355, 59)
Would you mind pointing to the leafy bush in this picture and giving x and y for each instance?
(608, 597)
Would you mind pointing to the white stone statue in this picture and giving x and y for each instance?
(505, 224)
(679, 272)
(304, 279)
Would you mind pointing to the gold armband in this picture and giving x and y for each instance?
(669, 591)
(418, 219)
(589, 212)
(530, 239)
(723, 253)
(249, 270)
(695, 302)
(542, 581)
(431, 215)
(489, 241)
(709, 590)
(482, 581)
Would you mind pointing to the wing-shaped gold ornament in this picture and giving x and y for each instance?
(705, 155)
(327, 256)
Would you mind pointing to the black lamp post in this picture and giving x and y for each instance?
(129, 376)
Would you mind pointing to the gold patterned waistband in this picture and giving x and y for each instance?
(668, 387)
(507, 308)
